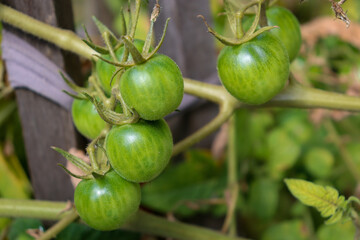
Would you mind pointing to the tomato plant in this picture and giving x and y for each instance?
(140, 151)
(154, 89)
(86, 119)
(254, 71)
(106, 202)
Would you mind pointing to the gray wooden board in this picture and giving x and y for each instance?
(192, 48)
(44, 122)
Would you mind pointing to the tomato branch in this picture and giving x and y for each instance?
(141, 222)
(59, 226)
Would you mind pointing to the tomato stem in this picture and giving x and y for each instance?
(142, 222)
(232, 187)
(134, 20)
(59, 226)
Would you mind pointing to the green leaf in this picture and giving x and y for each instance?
(343, 231)
(282, 152)
(319, 162)
(289, 230)
(264, 197)
(325, 199)
(196, 178)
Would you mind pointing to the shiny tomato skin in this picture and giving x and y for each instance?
(105, 70)
(289, 29)
(86, 119)
(106, 203)
(140, 151)
(255, 71)
(154, 89)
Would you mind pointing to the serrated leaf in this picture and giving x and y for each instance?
(325, 199)
(335, 218)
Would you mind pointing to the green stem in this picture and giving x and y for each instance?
(64, 39)
(141, 222)
(226, 110)
(151, 224)
(299, 96)
(136, 18)
(59, 226)
(233, 188)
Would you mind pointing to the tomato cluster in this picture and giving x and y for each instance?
(151, 86)
(138, 151)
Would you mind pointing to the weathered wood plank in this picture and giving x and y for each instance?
(192, 48)
(45, 123)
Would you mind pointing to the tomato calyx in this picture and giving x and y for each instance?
(98, 167)
(110, 116)
(235, 19)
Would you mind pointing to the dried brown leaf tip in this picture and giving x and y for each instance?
(339, 12)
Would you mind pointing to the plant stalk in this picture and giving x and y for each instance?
(141, 222)
(232, 186)
(59, 226)
(64, 39)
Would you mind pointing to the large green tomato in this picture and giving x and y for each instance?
(254, 71)
(86, 119)
(154, 89)
(107, 202)
(289, 29)
(105, 70)
(140, 151)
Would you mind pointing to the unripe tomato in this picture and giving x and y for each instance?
(140, 151)
(254, 71)
(105, 203)
(154, 89)
(105, 70)
(86, 119)
(289, 29)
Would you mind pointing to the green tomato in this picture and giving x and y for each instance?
(107, 202)
(154, 89)
(289, 29)
(255, 71)
(105, 70)
(140, 151)
(86, 119)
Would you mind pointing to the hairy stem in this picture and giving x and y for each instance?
(141, 222)
(64, 39)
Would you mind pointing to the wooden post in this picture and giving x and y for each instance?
(44, 122)
(192, 48)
